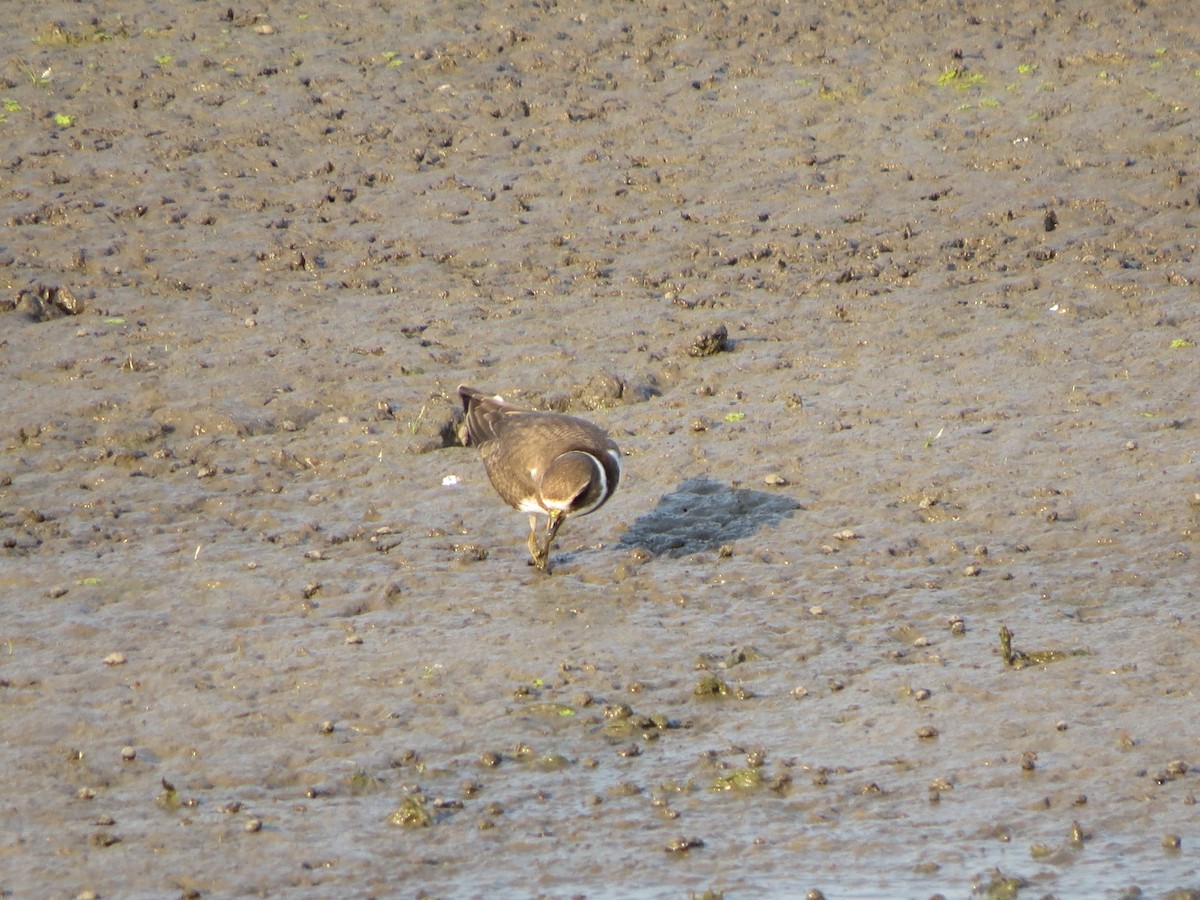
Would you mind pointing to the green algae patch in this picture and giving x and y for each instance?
(169, 798)
(738, 780)
(1019, 659)
(551, 762)
(362, 782)
(711, 687)
(412, 813)
(56, 35)
(547, 710)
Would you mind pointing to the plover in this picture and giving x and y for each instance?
(542, 463)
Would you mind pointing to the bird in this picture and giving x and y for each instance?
(542, 463)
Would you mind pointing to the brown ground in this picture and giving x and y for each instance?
(955, 249)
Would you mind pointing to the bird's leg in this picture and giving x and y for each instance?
(535, 551)
(542, 557)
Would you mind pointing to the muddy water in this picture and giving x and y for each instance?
(254, 643)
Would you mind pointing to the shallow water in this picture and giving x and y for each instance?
(957, 271)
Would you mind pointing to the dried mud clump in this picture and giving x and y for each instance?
(602, 391)
(45, 302)
(710, 343)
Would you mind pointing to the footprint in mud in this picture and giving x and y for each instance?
(703, 514)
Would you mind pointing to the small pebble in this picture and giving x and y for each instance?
(1171, 842)
(775, 480)
(922, 694)
(253, 825)
(115, 659)
(128, 754)
(973, 569)
(927, 732)
(327, 727)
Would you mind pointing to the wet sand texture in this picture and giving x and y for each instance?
(255, 639)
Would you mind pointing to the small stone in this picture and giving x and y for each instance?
(775, 480)
(253, 825)
(128, 754)
(1171, 842)
(326, 727)
(927, 732)
(116, 658)
(973, 569)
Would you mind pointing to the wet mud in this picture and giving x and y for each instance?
(891, 307)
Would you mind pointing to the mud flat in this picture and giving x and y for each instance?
(254, 641)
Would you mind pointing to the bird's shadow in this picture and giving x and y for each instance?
(704, 514)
